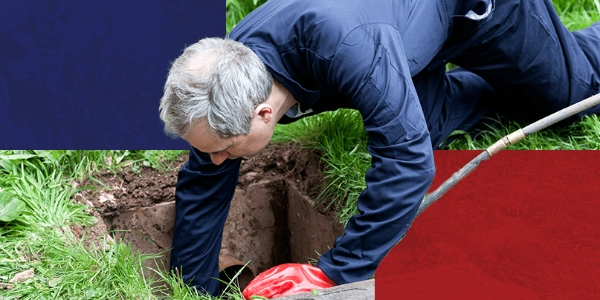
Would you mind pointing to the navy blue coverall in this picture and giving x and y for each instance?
(387, 58)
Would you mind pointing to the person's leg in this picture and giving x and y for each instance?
(454, 100)
(526, 54)
(588, 41)
(202, 197)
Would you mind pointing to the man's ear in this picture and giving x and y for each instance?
(265, 112)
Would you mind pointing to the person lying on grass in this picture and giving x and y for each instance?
(387, 59)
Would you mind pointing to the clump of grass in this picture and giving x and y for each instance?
(68, 269)
(236, 10)
(578, 14)
(579, 135)
(342, 141)
(79, 163)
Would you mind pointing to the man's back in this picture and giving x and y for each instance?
(317, 27)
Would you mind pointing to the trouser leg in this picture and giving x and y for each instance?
(202, 198)
(528, 56)
(454, 100)
(588, 41)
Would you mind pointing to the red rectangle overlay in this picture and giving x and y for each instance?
(523, 225)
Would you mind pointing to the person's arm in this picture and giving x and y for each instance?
(370, 68)
(203, 195)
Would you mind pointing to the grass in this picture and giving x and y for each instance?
(578, 14)
(67, 268)
(341, 139)
(581, 135)
(236, 10)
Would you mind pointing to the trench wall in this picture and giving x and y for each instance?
(269, 223)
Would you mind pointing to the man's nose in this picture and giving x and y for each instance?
(218, 159)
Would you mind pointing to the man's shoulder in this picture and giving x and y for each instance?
(319, 25)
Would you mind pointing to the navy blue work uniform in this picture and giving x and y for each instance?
(387, 59)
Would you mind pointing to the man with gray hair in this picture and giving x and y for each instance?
(386, 59)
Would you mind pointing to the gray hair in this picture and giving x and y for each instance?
(220, 80)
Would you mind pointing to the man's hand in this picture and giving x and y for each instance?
(287, 279)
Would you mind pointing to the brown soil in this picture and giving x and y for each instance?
(272, 211)
(130, 190)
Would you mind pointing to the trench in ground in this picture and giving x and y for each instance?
(270, 222)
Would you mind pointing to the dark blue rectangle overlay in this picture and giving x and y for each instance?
(89, 74)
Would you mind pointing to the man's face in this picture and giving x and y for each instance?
(219, 150)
